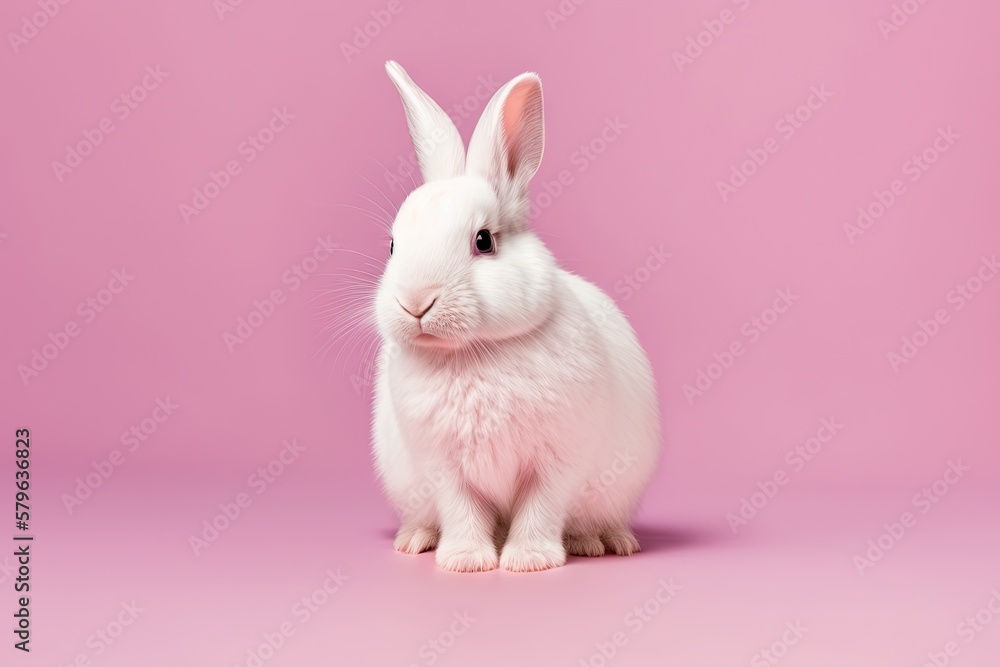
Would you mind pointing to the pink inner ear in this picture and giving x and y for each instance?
(513, 113)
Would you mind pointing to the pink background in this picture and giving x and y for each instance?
(654, 185)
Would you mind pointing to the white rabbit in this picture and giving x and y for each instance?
(513, 401)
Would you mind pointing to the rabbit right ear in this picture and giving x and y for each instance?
(439, 147)
(506, 146)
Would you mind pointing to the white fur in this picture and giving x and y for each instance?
(523, 422)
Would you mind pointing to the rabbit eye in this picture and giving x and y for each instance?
(484, 243)
(391, 242)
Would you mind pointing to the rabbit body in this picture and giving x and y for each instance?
(515, 415)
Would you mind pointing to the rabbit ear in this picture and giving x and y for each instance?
(506, 147)
(439, 147)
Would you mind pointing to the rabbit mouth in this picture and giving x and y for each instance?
(431, 340)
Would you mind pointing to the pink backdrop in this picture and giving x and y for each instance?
(793, 203)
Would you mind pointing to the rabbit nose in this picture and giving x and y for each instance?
(418, 306)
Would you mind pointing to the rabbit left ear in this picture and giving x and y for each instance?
(507, 145)
(439, 147)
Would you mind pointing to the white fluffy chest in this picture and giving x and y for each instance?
(471, 410)
(491, 420)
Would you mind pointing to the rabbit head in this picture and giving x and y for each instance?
(464, 268)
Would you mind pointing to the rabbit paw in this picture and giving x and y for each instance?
(621, 541)
(415, 539)
(532, 556)
(466, 557)
(584, 545)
